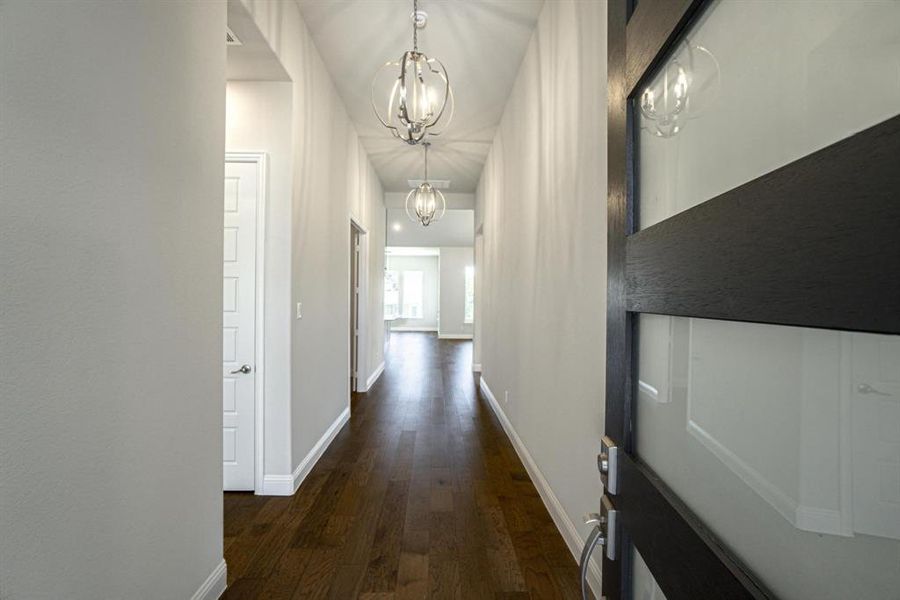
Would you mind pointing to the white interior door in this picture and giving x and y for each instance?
(238, 325)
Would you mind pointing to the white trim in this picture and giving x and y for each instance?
(362, 308)
(476, 367)
(215, 584)
(807, 518)
(262, 170)
(374, 376)
(768, 491)
(410, 329)
(821, 520)
(846, 435)
(287, 485)
(278, 485)
(455, 336)
(563, 523)
(358, 224)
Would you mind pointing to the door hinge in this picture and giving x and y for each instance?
(608, 464)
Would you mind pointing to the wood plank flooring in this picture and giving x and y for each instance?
(421, 495)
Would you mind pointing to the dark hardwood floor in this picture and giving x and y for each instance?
(421, 495)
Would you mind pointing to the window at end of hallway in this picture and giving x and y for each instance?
(412, 294)
(470, 295)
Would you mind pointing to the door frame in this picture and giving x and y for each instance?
(786, 228)
(361, 316)
(259, 403)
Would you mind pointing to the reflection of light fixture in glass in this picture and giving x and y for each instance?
(397, 227)
(673, 102)
(425, 204)
(420, 94)
(672, 96)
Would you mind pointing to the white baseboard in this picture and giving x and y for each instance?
(421, 329)
(476, 367)
(277, 485)
(455, 336)
(374, 377)
(563, 523)
(286, 485)
(215, 584)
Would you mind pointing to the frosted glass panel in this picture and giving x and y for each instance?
(786, 442)
(756, 85)
(643, 585)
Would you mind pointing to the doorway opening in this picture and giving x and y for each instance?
(356, 233)
(258, 144)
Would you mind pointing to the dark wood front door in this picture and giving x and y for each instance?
(753, 212)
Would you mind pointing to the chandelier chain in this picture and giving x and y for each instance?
(415, 25)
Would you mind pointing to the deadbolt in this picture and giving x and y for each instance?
(607, 464)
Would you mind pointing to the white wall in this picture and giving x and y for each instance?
(111, 153)
(258, 119)
(542, 204)
(455, 228)
(453, 292)
(370, 210)
(332, 179)
(430, 267)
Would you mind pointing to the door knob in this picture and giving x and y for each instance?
(244, 369)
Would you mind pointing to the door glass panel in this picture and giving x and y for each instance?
(786, 442)
(643, 585)
(756, 85)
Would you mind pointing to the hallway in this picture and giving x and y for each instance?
(420, 495)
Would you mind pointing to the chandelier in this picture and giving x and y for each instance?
(420, 95)
(686, 86)
(425, 204)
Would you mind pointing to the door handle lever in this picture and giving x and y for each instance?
(594, 538)
(244, 369)
(603, 534)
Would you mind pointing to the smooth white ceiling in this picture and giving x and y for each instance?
(481, 42)
(454, 201)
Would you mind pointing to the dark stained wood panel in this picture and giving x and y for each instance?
(421, 495)
(618, 225)
(785, 248)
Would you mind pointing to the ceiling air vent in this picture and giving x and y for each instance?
(231, 39)
(440, 184)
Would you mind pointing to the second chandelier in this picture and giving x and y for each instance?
(425, 204)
